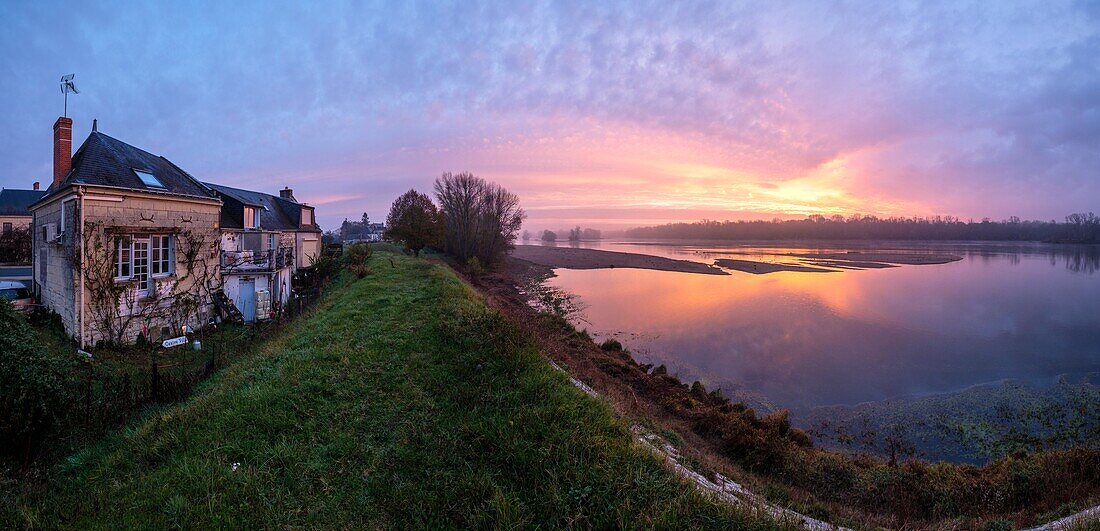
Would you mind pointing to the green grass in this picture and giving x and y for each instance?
(400, 402)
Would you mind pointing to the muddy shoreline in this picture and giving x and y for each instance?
(581, 258)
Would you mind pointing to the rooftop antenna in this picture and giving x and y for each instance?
(67, 86)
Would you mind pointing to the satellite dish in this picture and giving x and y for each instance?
(67, 86)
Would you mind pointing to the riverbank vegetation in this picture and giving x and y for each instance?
(1077, 228)
(400, 401)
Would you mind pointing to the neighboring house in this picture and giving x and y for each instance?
(14, 207)
(360, 231)
(265, 240)
(375, 232)
(124, 241)
(15, 239)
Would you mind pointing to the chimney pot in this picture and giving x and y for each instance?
(287, 193)
(37, 185)
(62, 149)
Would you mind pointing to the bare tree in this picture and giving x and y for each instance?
(459, 196)
(480, 219)
(501, 218)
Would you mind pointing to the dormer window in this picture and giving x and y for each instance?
(307, 216)
(249, 217)
(149, 179)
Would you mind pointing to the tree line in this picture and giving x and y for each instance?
(576, 234)
(1077, 228)
(475, 221)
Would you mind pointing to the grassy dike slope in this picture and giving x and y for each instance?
(400, 402)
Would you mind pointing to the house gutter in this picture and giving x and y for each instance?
(80, 194)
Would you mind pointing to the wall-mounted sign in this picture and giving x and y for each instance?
(174, 342)
(84, 353)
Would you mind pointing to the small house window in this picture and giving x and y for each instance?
(161, 252)
(307, 216)
(249, 217)
(7, 228)
(123, 253)
(149, 179)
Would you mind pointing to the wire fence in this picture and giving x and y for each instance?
(105, 394)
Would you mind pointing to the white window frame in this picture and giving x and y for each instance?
(160, 246)
(250, 224)
(307, 212)
(165, 253)
(119, 251)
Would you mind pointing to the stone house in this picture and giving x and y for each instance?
(265, 240)
(124, 241)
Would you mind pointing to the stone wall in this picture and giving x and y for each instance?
(53, 271)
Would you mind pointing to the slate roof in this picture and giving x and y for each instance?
(106, 161)
(15, 202)
(275, 212)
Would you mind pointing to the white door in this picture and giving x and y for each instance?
(246, 299)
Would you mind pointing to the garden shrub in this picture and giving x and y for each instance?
(356, 257)
(33, 384)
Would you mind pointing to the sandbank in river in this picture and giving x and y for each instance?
(581, 258)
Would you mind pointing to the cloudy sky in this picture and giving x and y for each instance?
(601, 113)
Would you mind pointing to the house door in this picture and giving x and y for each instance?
(246, 299)
(141, 265)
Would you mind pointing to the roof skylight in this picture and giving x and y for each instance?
(149, 179)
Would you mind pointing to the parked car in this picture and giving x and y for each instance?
(19, 295)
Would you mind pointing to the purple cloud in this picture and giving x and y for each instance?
(944, 107)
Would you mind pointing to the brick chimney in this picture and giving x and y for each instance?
(288, 194)
(62, 149)
(37, 185)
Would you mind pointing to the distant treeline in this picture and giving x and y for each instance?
(1077, 228)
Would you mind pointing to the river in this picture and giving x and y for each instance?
(1006, 314)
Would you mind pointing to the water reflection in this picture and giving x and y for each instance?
(1006, 311)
